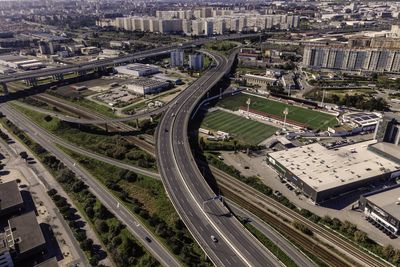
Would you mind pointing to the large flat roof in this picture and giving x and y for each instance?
(388, 148)
(10, 195)
(26, 232)
(323, 168)
(387, 201)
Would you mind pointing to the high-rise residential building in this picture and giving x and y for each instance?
(219, 26)
(182, 21)
(208, 27)
(352, 59)
(196, 61)
(177, 58)
(197, 27)
(206, 12)
(187, 26)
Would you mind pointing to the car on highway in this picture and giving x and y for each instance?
(214, 239)
(147, 239)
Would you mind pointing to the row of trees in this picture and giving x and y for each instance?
(176, 235)
(74, 222)
(123, 247)
(120, 243)
(226, 145)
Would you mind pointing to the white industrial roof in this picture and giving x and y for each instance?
(323, 168)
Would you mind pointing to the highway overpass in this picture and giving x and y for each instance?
(196, 203)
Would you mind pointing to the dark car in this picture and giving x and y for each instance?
(147, 239)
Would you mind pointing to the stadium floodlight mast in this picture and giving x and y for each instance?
(248, 102)
(323, 98)
(285, 112)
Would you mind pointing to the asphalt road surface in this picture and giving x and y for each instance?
(188, 190)
(155, 247)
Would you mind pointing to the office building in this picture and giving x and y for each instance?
(388, 130)
(382, 207)
(196, 61)
(322, 174)
(5, 257)
(10, 198)
(177, 58)
(24, 236)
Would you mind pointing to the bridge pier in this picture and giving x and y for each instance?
(31, 82)
(106, 126)
(5, 89)
(58, 77)
(81, 73)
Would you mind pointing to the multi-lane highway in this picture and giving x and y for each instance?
(156, 248)
(190, 193)
(112, 61)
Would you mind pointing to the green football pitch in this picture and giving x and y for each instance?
(313, 119)
(245, 130)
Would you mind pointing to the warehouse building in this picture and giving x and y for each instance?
(145, 86)
(322, 174)
(138, 70)
(382, 208)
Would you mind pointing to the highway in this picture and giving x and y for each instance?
(190, 193)
(40, 136)
(298, 257)
(113, 61)
(100, 121)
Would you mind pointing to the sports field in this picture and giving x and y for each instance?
(244, 130)
(313, 119)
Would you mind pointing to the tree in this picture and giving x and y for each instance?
(101, 212)
(38, 149)
(396, 256)
(89, 212)
(130, 176)
(47, 118)
(360, 236)
(52, 192)
(388, 251)
(23, 155)
(78, 186)
(86, 244)
(80, 235)
(101, 226)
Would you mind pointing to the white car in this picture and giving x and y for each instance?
(214, 239)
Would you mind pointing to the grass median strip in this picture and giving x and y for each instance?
(93, 138)
(271, 246)
(147, 199)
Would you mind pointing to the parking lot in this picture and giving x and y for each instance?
(341, 208)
